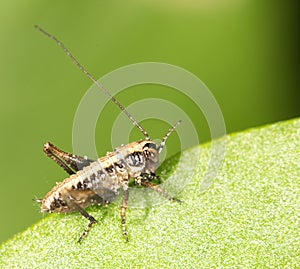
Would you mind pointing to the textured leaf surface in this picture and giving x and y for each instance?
(249, 218)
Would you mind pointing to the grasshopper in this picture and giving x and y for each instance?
(98, 182)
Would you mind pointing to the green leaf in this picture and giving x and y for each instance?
(248, 218)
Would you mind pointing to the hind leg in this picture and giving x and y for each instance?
(71, 163)
(72, 204)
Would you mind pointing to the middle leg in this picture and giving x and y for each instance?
(123, 211)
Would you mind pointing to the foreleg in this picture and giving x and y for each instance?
(156, 188)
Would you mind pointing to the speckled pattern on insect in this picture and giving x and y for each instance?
(99, 181)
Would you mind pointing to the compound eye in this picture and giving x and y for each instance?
(150, 151)
(151, 154)
(150, 146)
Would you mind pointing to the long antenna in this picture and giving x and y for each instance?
(59, 43)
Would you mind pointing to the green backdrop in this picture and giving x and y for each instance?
(244, 51)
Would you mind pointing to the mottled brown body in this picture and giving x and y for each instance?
(99, 182)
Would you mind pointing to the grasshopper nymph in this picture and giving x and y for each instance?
(99, 181)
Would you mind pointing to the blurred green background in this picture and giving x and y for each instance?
(245, 51)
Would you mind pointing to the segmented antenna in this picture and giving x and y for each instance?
(59, 43)
(163, 141)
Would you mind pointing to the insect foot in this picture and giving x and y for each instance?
(98, 182)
